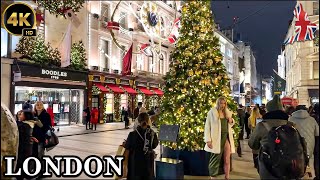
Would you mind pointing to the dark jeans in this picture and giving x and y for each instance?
(256, 161)
(246, 127)
(126, 122)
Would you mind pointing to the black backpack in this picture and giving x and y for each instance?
(285, 155)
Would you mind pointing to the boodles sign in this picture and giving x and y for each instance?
(54, 74)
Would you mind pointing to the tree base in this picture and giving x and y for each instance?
(194, 163)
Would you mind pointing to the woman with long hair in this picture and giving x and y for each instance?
(40, 133)
(218, 137)
(254, 117)
(140, 147)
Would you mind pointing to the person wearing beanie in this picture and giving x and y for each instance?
(274, 117)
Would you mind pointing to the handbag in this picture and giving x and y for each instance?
(122, 151)
(52, 139)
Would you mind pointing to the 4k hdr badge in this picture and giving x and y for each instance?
(19, 19)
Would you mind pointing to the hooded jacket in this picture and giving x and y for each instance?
(307, 127)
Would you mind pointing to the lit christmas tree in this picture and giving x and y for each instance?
(54, 55)
(197, 77)
(61, 7)
(25, 46)
(39, 52)
(78, 56)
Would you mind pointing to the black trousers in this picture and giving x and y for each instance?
(246, 127)
(87, 124)
(126, 121)
(95, 126)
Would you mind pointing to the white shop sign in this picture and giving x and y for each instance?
(54, 74)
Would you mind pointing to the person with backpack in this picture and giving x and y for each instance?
(309, 129)
(282, 151)
(140, 146)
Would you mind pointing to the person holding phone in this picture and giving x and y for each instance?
(218, 137)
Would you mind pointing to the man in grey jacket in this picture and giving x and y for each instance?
(274, 117)
(309, 129)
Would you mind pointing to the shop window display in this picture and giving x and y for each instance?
(66, 103)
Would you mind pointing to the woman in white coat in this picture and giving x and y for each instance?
(218, 137)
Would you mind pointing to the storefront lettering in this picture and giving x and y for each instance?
(54, 74)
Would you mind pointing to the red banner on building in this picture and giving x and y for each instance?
(126, 67)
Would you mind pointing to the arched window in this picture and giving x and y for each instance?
(151, 63)
(161, 64)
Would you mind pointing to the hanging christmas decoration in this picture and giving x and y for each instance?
(59, 8)
(39, 16)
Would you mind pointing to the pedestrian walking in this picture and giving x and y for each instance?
(140, 146)
(254, 117)
(274, 117)
(309, 129)
(25, 123)
(87, 117)
(315, 114)
(246, 121)
(241, 116)
(136, 110)
(40, 133)
(218, 137)
(125, 115)
(94, 118)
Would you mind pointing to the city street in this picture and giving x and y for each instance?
(75, 140)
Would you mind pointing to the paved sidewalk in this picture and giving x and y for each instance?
(80, 129)
(108, 137)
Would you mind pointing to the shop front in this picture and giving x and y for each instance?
(313, 95)
(111, 95)
(61, 89)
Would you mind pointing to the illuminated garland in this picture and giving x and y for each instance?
(95, 90)
(116, 109)
(60, 7)
(105, 102)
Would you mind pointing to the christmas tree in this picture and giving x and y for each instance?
(55, 56)
(78, 56)
(197, 77)
(40, 51)
(25, 46)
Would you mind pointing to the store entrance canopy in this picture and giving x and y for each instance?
(129, 90)
(157, 91)
(101, 87)
(145, 91)
(115, 88)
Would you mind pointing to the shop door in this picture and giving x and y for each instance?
(95, 103)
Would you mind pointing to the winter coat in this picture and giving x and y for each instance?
(212, 131)
(259, 136)
(140, 163)
(40, 132)
(94, 116)
(87, 114)
(136, 113)
(241, 115)
(50, 112)
(307, 127)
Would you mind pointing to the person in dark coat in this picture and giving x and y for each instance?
(27, 106)
(315, 114)
(136, 110)
(140, 145)
(241, 114)
(274, 117)
(246, 121)
(87, 117)
(125, 116)
(41, 133)
(25, 123)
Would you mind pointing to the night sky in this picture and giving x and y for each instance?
(265, 30)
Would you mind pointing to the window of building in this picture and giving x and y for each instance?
(315, 69)
(161, 59)
(140, 62)
(316, 8)
(124, 101)
(104, 12)
(105, 45)
(139, 98)
(151, 64)
(4, 42)
(123, 21)
(222, 48)
(95, 101)
(109, 104)
(229, 53)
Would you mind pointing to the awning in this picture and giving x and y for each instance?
(145, 91)
(157, 91)
(115, 88)
(286, 100)
(129, 89)
(101, 87)
(313, 92)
